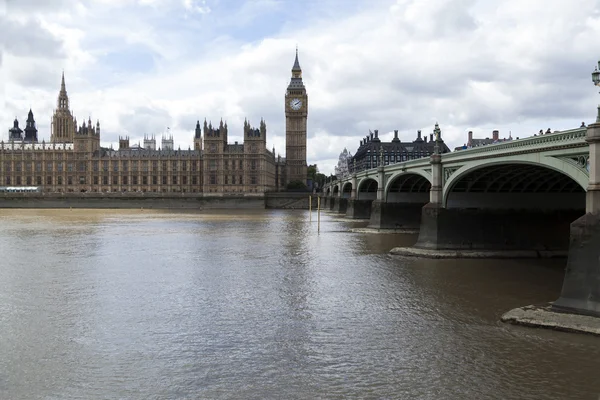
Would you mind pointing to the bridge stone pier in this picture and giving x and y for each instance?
(359, 205)
(581, 288)
(399, 206)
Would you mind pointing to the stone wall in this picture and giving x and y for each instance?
(485, 229)
(129, 200)
(395, 215)
(291, 201)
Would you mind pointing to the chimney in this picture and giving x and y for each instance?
(376, 133)
(395, 133)
(431, 137)
(470, 142)
(425, 138)
(495, 135)
(419, 135)
(372, 135)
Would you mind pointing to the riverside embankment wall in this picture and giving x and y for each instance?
(281, 200)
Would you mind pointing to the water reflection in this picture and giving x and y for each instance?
(258, 304)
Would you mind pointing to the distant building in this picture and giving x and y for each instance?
(475, 142)
(342, 169)
(372, 152)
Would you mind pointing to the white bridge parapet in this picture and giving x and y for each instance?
(564, 151)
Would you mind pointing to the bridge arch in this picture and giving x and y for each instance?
(347, 190)
(336, 190)
(408, 187)
(367, 189)
(517, 183)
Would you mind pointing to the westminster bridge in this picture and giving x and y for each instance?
(538, 195)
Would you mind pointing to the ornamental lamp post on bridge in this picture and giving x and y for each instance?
(593, 138)
(596, 80)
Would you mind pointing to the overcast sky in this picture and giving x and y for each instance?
(140, 66)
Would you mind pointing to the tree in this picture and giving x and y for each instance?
(312, 171)
(297, 186)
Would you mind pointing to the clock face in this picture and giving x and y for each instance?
(295, 104)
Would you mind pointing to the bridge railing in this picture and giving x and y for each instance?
(571, 135)
(567, 136)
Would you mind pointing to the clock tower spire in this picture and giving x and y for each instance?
(296, 114)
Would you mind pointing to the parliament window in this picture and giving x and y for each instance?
(48, 180)
(164, 180)
(253, 180)
(174, 179)
(184, 180)
(18, 180)
(70, 167)
(69, 180)
(18, 166)
(194, 180)
(8, 180)
(144, 180)
(95, 179)
(28, 180)
(213, 179)
(39, 180)
(82, 180)
(124, 180)
(154, 180)
(59, 180)
(104, 180)
(134, 180)
(115, 180)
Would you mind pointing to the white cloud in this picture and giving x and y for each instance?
(197, 6)
(142, 65)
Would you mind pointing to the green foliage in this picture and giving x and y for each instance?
(297, 186)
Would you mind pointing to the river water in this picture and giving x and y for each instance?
(139, 304)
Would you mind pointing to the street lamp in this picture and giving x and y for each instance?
(596, 80)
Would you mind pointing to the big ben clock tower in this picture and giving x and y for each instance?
(296, 113)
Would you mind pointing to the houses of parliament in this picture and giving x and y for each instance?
(73, 160)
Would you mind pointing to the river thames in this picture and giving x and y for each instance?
(141, 304)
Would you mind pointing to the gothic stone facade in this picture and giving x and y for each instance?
(74, 161)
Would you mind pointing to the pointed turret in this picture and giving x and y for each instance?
(30, 129)
(198, 132)
(15, 133)
(296, 82)
(296, 67)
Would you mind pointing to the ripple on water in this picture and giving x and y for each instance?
(254, 305)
